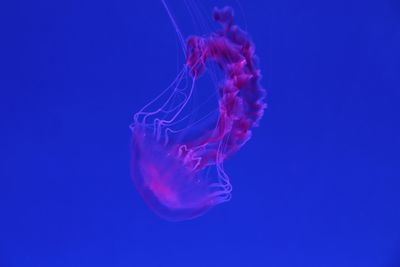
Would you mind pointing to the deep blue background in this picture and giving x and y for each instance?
(318, 184)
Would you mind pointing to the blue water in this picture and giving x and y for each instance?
(317, 185)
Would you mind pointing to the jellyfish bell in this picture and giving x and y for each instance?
(169, 179)
(178, 150)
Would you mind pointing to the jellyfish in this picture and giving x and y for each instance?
(177, 162)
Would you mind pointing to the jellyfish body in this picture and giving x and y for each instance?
(179, 170)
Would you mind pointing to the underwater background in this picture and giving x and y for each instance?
(318, 184)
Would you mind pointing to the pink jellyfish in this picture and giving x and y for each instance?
(178, 170)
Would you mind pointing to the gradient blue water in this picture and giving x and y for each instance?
(318, 185)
